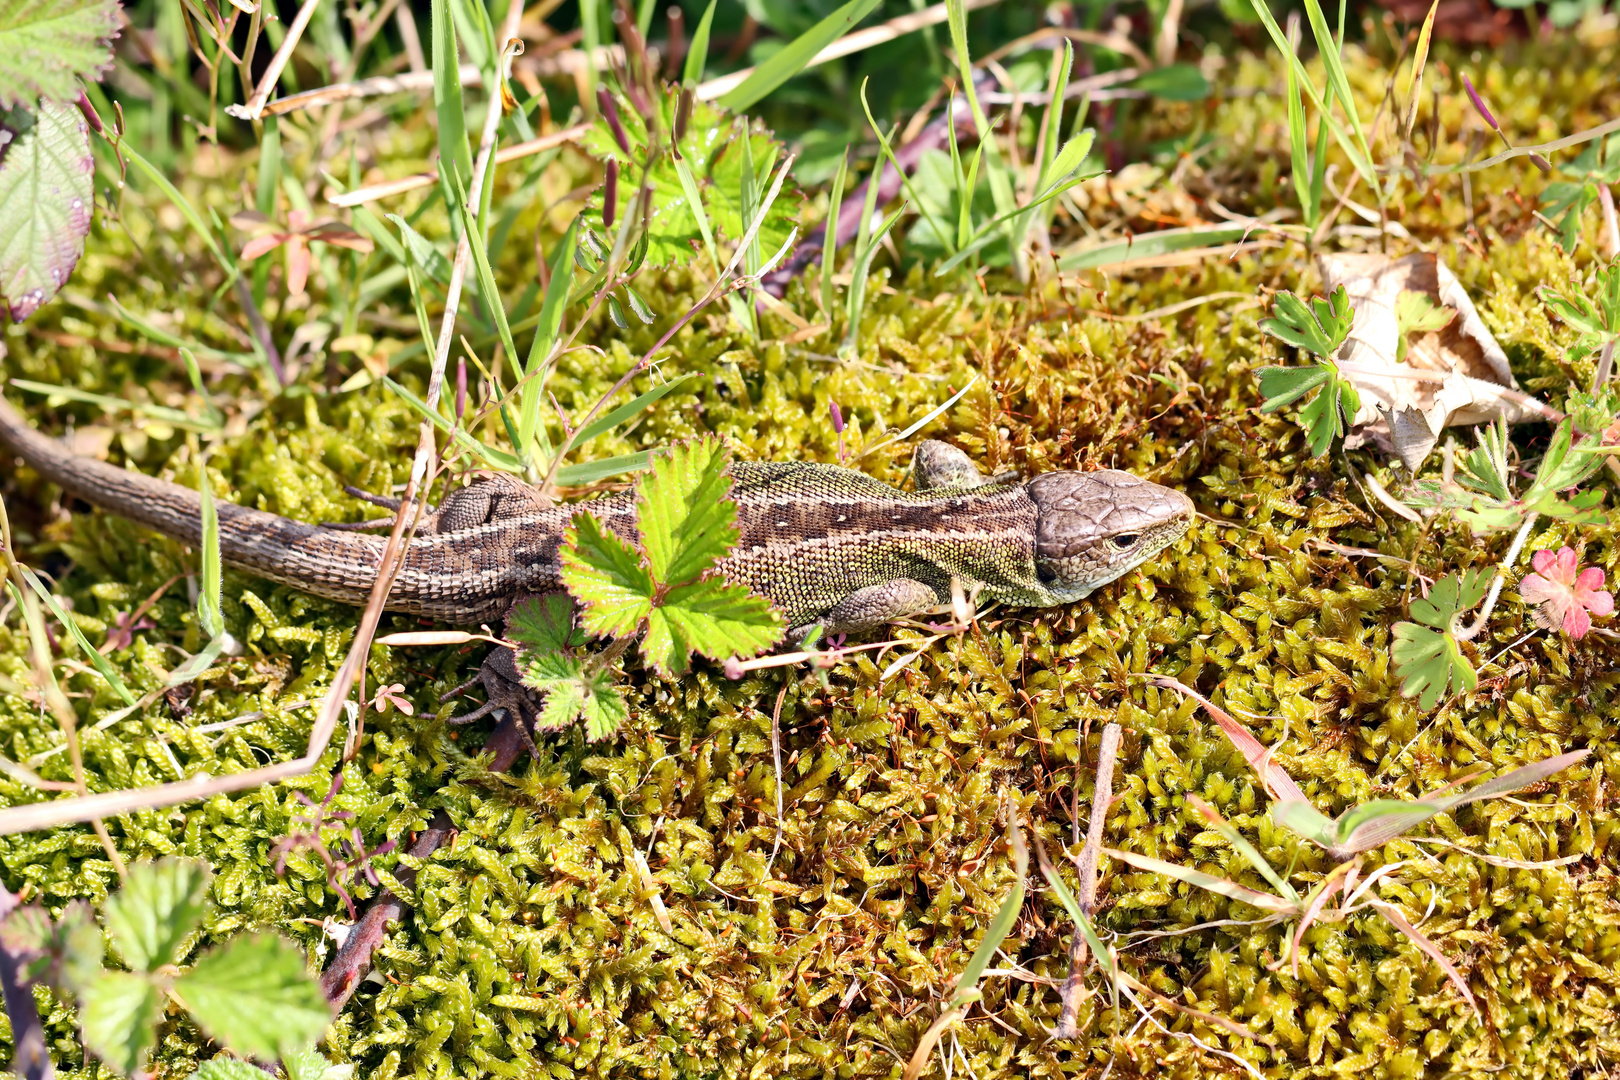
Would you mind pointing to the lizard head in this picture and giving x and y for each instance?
(1095, 526)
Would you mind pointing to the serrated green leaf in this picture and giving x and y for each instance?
(45, 204)
(254, 996)
(159, 907)
(606, 577)
(1415, 313)
(564, 701)
(118, 1015)
(711, 153)
(543, 624)
(229, 1068)
(47, 46)
(65, 954)
(796, 54)
(307, 1064)
(712, 618)
(603, 708)
(684, 510)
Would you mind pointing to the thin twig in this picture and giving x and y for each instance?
(776, 759)
(272, 74)
(1100, 798)
(421, 180)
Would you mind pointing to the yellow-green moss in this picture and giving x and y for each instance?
(533, 949)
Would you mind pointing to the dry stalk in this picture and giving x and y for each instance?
(1101, 797)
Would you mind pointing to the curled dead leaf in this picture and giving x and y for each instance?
(1453, 374)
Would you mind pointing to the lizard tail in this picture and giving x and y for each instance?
(326, 562)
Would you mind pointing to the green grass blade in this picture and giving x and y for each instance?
(1242, 846)
(447, 98)
(855, 297)
(210, 606)
(531, 394)
(1197, 878)
(496, 458)
(1151, 245)
(697, 54)
(115, 404)
(269, 167)
(624, 412)
(888, 154)
(797, 54)
(829, 239)
(588, 472)
(182, 204)
(694, 199)
(1299, 163)
(1002, 924)
(61, 616)
(858, 272)
(1061, 65)
(590, 23)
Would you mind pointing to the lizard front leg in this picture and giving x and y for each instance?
(875, 605)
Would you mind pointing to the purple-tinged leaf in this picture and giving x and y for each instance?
(47, 46)
(45, 203)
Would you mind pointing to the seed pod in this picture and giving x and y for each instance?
(610, 110)
(837, 417)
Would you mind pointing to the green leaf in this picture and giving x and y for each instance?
(565, 699)
(543, 624)
(1176, 82)
(606, 577)
(428, 257)
(1415, 313)
(118, 1016)
(101, 664)
(712, 618)
(47, 47)
(606, 423)
(45, 203)
(447, 100)
(796, 55)
(1319, 327)
(209, 604)
(65, 954)
(697, 54)
(589, 472)
(1452, 595)
(711, 150)
(159, 906)
(308, 1064)
(229, 1068)
(604, 708)
(685, 513)
(254, 995)
(1428, 661)
(1281, 386)
(1151, 245)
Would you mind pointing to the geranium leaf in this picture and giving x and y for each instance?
(45, 202)
(254, 995)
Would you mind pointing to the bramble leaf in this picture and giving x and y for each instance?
(711, 618)
(45, 202)
(159, 907)
(228, 1068)
(687, 519)
(47, 46)
(606, 577)
(118, 1015)
(254, 995)
(604, 708)
(543, 624)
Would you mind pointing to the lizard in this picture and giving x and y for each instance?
(827, 545)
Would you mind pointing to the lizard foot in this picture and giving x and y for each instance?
(504, 693)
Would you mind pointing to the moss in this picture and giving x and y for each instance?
(534, 949)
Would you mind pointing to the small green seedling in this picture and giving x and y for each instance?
(1592, 313)
(1416, 314)
(1428, 657)
(1319, 328)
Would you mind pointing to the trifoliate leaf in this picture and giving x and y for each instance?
(254, 996)
(1428, 661)
(45, 202)
(606, 577)
(47, 46)
(543, 624)
(118, 1015)
(685, 512)
(159, 907)
(711, 618)
(711, 153)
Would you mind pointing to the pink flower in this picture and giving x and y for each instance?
(1567, 600)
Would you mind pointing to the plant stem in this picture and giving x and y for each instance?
(1502, 569)
(1101, 796)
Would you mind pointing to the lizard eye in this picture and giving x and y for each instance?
(1124, 540)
